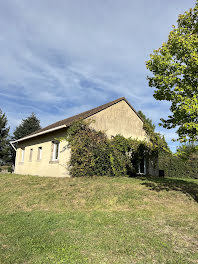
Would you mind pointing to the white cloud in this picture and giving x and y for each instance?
(61, 57)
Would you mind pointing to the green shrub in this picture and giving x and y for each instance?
(10, 169)
(92, 153)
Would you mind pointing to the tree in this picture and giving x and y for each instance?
(148, 124)
(4, 139)
(158, 140)
(27, 126)
(187, 151)
(175, 76)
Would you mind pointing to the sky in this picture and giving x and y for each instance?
(60, 58)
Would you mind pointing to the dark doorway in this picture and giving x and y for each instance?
(142, 166)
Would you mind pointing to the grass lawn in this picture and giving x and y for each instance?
(98, 220)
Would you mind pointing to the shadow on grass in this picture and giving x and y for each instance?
(168, 184)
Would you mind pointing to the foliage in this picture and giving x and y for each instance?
(120, 158)
(6, 168)
(185, 151)
(175, 69)
(92, 153)
(10, 169)
(182, 164)
(148, 124)
(88, 149)
(27, 126)
(4, 139)
(156, 139)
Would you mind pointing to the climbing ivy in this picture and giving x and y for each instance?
(93, 153)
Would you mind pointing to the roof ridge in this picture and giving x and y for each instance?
(68, 121)
(84, 113)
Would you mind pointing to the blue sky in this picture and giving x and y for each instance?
(59, 58)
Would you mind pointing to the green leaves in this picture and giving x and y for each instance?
(4, 139)
(175, 70)
(184, 163)
(27, 126)
(93, 154)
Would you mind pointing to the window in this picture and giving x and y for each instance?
(31, 152)
(22, 154)
(39, 153)
(55, 150)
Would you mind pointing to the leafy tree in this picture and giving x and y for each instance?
(186, 151)
(175, 76)
(4, 139)
(27, 126)
(148, 124)
(158, 140)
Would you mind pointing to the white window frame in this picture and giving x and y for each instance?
(22, 154)
(40, 153)
(56, 145)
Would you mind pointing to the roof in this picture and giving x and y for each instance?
(68, 121)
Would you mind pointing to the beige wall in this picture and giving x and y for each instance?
(119, 119)
(45, 166)
(116, 119)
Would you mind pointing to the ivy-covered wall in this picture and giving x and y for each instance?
(93, 153)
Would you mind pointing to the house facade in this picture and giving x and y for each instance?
(42, 154)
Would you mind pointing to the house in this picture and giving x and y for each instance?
(42, 154)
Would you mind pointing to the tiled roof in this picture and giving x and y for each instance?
(68, 121)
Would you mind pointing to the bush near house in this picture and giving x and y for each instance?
(92, 153)
(6, 168)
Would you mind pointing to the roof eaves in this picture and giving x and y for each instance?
(38, 134)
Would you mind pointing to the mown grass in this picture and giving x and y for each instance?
(98, 220)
